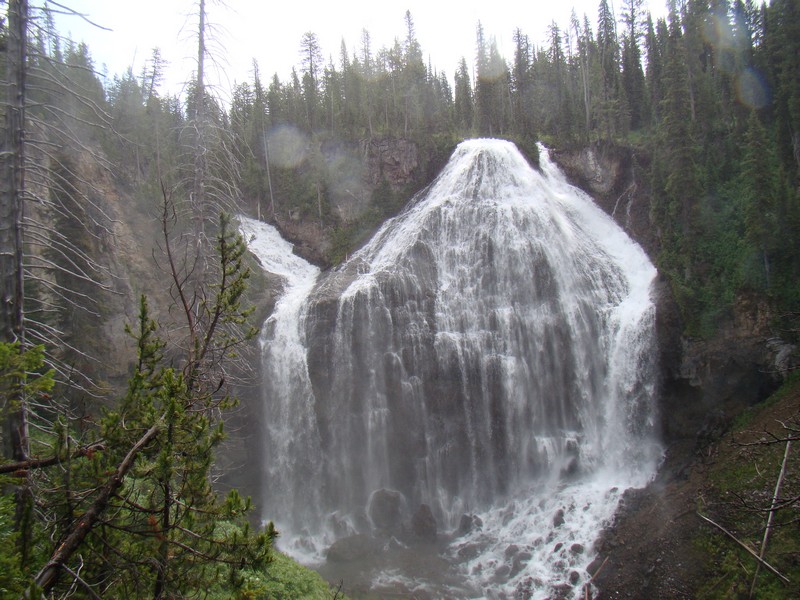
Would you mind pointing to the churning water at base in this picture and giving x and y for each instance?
(484, 368)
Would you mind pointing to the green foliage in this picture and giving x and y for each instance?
(165, 525)
(164, 531)
(743, 486)
(284, 580)
(22, 373)
(22, 377)
(11, 571)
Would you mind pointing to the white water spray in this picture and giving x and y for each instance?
(490, 352)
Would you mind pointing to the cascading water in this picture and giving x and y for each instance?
(489, 353)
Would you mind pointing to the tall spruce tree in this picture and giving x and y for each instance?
(633, 82)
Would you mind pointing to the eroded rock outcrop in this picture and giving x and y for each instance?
(395, 161)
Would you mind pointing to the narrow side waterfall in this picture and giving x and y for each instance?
(490, 357)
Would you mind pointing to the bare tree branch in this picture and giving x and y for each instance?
(749, 550)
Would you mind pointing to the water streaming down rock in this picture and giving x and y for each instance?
(490, 352)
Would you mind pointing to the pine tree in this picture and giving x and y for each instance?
(677, 177)
(583, 39)
(633, 81)
(141, 515)
(656, 43)
(783, 23)
(611, 111)
(463, 98)
(311, 54)
(759, 192)
(12, 192)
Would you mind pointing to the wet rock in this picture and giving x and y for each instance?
(574, 577)
(340, 527)
(519, 563)
(469, 551)
(561, 590)
(352, 548)
(394, 544)
(558, 547)
(393, 160)
(526, 588)
(501, 574)
(577, 548)
(571, 469)
(511, 551)
(386, 510)
(468, 524)
(423, 523)
(558, 518)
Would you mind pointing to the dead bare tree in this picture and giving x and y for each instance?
(42, 269)
(771, 515)
(51, 101)
(210, 165)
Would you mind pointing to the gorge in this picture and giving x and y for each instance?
(485, 367)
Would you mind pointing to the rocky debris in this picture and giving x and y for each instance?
(501, 574)
(511, 551)
(651, 550)
(340, 526)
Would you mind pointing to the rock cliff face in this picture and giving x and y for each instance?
(358, 176)
(617, 179)
(396, 161)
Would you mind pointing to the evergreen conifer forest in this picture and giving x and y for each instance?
(107, 481)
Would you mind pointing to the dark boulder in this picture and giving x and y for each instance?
(386, 510)
(423, 523)
(352, 548)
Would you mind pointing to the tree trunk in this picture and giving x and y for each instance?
(162, 560)
(12, 191)
(198, 191)
(13, 176)
(772, 510)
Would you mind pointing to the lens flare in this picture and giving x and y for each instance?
(751, 89)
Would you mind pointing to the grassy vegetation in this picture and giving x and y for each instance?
(742, 482)
(284, 579)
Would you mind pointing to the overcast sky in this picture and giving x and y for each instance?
(270, 31)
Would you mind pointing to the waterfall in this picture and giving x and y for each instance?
(490, 353)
